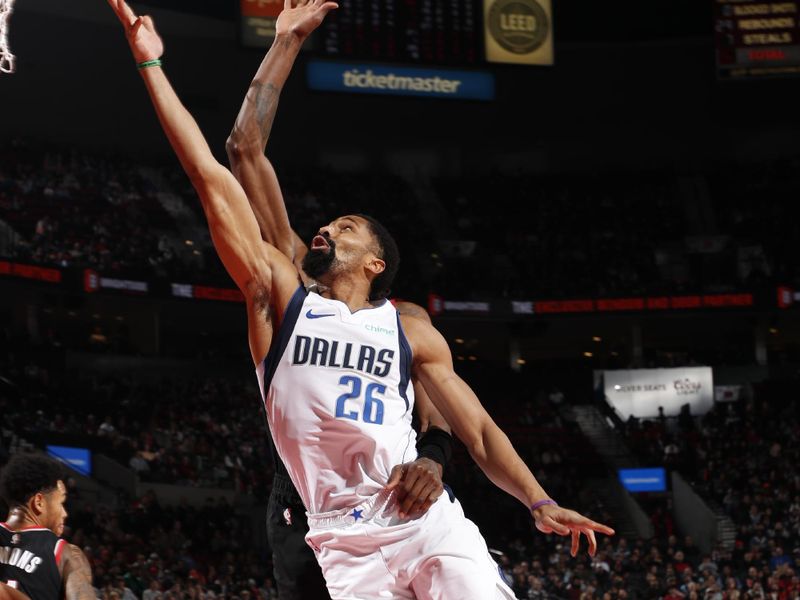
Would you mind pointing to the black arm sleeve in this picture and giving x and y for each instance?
(437, 445)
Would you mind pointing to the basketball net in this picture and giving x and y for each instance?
(6, 58)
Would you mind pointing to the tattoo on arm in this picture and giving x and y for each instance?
(266, 102)
(78, 576)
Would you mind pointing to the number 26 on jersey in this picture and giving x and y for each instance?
(372, 409)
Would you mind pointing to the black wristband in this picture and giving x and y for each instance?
(437, 445)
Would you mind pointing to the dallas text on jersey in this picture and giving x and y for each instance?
(332, 353)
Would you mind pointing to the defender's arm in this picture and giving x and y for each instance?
(76, 575)
(426, 412)
(248, 139)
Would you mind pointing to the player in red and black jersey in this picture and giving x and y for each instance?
(34, 559)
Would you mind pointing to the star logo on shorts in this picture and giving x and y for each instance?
(356, 514)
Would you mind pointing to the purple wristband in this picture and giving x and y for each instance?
(541, 503)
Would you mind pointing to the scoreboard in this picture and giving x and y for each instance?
(445, 32)
(423, 48)
(756, 38)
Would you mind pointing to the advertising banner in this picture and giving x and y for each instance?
(438, 305)
(518, 31)
(640, 392)
(643, 480)
(399, 81)
(94, 282)
(34, 272)
(205, 292)
(79, 459)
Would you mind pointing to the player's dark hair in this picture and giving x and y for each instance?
(388, 253)
(28, 474)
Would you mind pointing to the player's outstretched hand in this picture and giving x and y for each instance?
(301, 17)
(418, 485)
(562, 521)
(145, 43)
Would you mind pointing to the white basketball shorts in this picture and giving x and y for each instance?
(368, 552)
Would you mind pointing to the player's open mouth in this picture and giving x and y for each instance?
(320, 243)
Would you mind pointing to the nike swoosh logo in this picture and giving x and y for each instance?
(311, 315)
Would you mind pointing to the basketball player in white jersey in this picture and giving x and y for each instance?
(334, 370)
(245, 148)
(295, 570)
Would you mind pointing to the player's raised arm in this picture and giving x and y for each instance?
(486, 442)
(248, 139)
(233, 227)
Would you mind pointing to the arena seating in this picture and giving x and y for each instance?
(76, 209)
(590, 235)
(215, 440)
(740, 457)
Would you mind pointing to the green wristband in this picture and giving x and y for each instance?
(149, 63)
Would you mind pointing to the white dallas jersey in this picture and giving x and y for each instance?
(337, 392)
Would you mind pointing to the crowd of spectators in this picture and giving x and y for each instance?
(620, 234)
(77, 209)
(742, 457)
(765, 231)
(188, 430)
(146, 551)
(551, 236)
(531, 235)
(208, 431)
(143, 550)
(184, 552)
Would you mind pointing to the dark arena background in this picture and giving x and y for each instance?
(606, 231)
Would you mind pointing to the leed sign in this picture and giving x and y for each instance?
(518, 31)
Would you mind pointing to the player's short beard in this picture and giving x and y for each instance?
(318, 262)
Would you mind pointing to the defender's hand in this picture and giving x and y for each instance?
(145, 43)
(418, 485)
(562, 521)
(304, 18)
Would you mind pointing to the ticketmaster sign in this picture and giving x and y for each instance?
(399, 81)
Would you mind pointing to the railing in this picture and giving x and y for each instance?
(693, 515)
